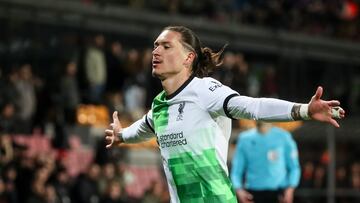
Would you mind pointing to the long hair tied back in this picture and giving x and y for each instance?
(206, 60)
(211, 60)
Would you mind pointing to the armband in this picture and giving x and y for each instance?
(304, 112)
(300, 112)
(120, 137)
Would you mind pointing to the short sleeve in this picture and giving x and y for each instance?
(214, 96)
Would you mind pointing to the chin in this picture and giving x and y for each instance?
(157, 75)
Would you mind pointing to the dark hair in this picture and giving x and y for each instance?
(206, 60)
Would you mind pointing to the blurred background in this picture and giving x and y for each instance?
(66, 65)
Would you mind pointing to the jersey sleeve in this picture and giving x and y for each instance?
(266, 109)
(238, 165)
(292, 161)
(214, 96)
(141, 130)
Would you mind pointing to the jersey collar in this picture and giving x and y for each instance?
(180, 88)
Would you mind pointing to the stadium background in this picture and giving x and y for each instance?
(51, 129)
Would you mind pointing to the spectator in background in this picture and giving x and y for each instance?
(134, 95)
(86, 188)
(156, 193)
(3, 195)
(225, 74)
(241, 74)
(95, 68)
(8, 119)
(50, 195)
(38, 185)
(267, 158)
(113, 193)
(108, 174)
(307, 175)
(8, 89)
(355, 175)
(342, 177)
(70, 94)
(26, 86)
(319, 177)
(115, 60)
(269, 86)
(9, 173)
(6, 150)
(62, 185)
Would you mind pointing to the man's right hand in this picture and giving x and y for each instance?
(112, 135)
(244, 196)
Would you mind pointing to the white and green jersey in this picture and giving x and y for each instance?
(193, 128)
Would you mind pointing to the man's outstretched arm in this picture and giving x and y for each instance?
(137, 132)
(268, 109)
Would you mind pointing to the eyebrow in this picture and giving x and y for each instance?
(184, 44)
(161, 42)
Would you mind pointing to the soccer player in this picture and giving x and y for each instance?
(191, 118)
(267, 158)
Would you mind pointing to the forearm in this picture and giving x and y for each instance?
(137, 132)
(266, 109)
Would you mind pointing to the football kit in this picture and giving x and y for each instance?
(193, 127)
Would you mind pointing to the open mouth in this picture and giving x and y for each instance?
(156, 62)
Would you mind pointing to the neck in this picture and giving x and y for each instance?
(171, 84)
(264, 129)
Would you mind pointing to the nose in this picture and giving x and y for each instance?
(156, 51)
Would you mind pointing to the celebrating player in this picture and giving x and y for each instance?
(191, 117)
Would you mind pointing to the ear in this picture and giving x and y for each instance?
(189, 59)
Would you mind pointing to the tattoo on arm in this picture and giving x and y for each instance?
(295, 112)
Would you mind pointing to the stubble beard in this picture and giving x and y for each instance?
(157, 75)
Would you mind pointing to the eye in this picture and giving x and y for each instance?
(166, 47)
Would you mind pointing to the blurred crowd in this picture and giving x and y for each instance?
(43, 178)
(48, 87)
(332, 18)
(314, 168)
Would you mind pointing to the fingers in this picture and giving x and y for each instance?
(334, 123)
(333, 103)
(336, 113)
(109, 145)
(115, 117)
(246, 200)
(109, 132)
(318, 92)
(249, 197)
(109, 137)
(342, 113)
(115, 127)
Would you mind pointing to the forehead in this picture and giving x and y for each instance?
(168, 36)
